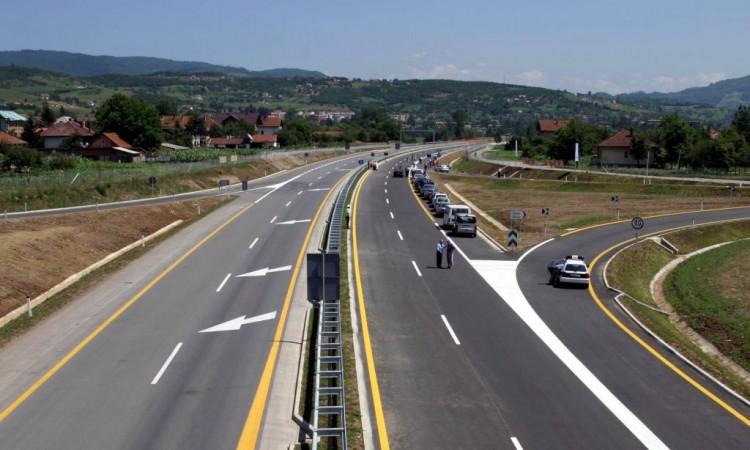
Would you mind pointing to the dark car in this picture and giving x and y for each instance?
(385, 153)
(361, 161)
(427, 189)
(372, 154)
(398, 171)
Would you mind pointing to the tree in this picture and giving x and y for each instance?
(296, 131)
(639, 147)
(166, 107)
(673, 135)
(21, 158)
(195, 125)
(48, 116)
(459, 123)
(563, 145)
(28, 135)
(741, 122)
(133, 119)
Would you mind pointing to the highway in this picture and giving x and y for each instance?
(187, 361)
(487, 355)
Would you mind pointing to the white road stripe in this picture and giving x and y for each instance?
(387, 201)
(416, 268)
(320, 177)
(288, 203)
(400, 236)
(300, 192)
(309, 184)
(274, 219)
(391, 213)
(218, 289)
(386, 183)
(255, 241)
(450, 329)
(386, 190)
(166, 364)
(516, 443)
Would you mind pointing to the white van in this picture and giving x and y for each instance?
(449, 217)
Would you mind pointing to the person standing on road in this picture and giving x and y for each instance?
(449, 249)
(439, 249)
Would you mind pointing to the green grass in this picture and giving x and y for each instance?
(584, 221)
(502, 154)
(711, 302)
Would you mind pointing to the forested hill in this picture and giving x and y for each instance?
(82, 65)
(727, 94)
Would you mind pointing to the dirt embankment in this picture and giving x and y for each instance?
(38, 253)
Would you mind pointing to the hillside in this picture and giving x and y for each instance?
(728, 94)
(510, 108)
(81, 65)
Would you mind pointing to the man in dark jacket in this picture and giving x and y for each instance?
(449, 249)
(439, 249)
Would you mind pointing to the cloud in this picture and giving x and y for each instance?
(419, 55)
(534, 77)
(449, 71)
(711, 77)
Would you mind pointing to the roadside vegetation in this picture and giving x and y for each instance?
(708, 292)
(31, 251)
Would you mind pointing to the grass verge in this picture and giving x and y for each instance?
(56, 302)
(633, 269)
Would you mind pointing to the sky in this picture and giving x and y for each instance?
(578, 45)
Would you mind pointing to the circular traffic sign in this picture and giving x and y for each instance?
(637, 223)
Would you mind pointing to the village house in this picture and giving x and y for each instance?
(174, 122)
(111, 147)
(9, 139)
(548, 127)
(55, 135)
(617, 150)
(247, 141)
(269, 125)
(11, 122)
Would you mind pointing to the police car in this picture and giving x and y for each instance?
(570, 270)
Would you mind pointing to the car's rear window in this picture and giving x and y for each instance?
(466, 219)
(578, 268)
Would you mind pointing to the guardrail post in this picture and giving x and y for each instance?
(28, 307)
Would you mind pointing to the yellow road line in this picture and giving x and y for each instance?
(374, 386)
(655, 216)
(251, 429)
(59, 365)
(648, 347)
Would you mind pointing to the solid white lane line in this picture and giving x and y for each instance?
(450, 329)
(166, 364)
(387, 201)
(399, 235)
(288, 203)
(516, 443)
(300, 192)
(218, 289)
(274, 219)
(391, 213)
(416, 268)
(255, 241)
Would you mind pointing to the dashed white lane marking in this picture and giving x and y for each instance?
(274, 219)
(450, 329)
(391, 213)
(300, 192)
(387, 201)
(255, 241)
(320, 177)
(218, 289)
(386, 183)
(516, 443)
(413, 263)
(166, 364)
(400, 236)
(288, 203)
(386, 190)
(309, 184)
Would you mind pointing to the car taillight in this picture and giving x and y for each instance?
(584, 275)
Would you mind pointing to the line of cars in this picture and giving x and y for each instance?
(458, 219)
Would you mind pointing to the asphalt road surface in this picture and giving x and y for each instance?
(150, 378)
(487, 355)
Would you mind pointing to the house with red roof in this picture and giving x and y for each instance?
(55, 135)
(269, 125)
(617, 150)
(111, 147)
(548, 127)
(9, 139)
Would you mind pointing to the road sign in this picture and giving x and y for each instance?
(615, 199)
(152, 180)
(517, 215)
(637, 223)
(323, 276)
(545, 211)
(512, 238)
(223, 182)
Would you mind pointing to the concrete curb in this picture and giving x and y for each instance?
(41, 298)
(656, 337)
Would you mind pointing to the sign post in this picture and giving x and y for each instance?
(545, 213)
(637, 223)
(577, 155)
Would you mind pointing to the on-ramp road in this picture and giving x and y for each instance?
(487, 355)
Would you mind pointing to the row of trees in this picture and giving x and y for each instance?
(674, 141)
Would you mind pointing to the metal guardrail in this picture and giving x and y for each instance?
(329, 410)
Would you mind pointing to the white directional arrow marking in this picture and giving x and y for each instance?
(236, 323)
(265, 271)
(292, 222)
